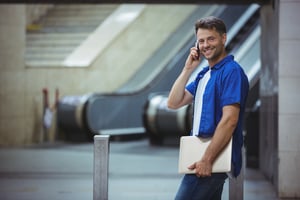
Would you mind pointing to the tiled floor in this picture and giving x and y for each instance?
(136, 171)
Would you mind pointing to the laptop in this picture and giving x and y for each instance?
(191, 150)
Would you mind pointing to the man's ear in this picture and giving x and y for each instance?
(224, 38)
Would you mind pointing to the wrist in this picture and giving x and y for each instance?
(208, 158)
(187, 70)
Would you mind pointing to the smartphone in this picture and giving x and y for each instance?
(198, 50)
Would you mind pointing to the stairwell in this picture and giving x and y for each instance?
(54, 36)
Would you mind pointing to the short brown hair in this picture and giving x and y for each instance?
(212, 23)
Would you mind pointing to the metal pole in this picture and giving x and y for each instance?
(101, 158)
(236, 185)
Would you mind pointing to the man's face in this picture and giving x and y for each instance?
(211, 44)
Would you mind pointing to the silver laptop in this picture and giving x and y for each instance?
(192, 149)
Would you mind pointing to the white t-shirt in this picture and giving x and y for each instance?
(198, 102)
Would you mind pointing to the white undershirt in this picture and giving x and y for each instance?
(199, 101)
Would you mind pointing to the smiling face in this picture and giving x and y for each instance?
(211, 45)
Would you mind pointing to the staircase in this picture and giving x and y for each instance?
(54, 36)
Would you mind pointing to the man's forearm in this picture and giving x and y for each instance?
(223, 132)
(177, 93)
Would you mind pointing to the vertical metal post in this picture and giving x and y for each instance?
(236, 185)
(101, 158)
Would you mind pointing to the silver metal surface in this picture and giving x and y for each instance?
(101, 158)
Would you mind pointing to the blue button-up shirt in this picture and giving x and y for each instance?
(227, 85)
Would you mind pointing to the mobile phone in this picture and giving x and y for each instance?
(198, 50)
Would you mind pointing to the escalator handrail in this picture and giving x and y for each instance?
(241, 22)
(253, 73)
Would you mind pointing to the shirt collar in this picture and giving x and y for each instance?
(222, 62)
(215, 67)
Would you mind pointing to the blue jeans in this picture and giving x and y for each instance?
(202, 188)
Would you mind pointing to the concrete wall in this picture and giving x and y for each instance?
(131, 49)
(280, 111)
(21, 101)
(15, 122)
(289, 99)
(268, 150)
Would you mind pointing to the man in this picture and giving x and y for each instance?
(219, 94)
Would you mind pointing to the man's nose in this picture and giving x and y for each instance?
(205, 43)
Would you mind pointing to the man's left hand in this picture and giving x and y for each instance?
(203, 168)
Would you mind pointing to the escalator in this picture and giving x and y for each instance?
(121, 111)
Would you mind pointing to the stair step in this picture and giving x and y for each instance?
(85, 6)
(65, 29)
(54, 43)
(61, 30)
(49, 57)
(79, 23)
(56, 36)
(83, 13)
(49, 50)
(43, 63)
(75, 18)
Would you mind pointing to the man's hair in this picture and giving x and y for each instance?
(211, 23)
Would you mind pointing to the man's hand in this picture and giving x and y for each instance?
(193, 60)
(203, 168)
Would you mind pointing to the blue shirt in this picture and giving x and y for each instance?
(227, 85)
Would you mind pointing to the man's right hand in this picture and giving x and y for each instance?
(193, 59)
